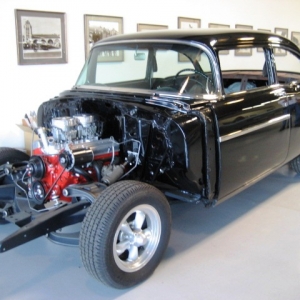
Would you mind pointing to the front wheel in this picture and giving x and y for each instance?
(125, 233)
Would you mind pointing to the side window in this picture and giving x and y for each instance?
(287, 66)
(243, 69)
(175, 72)
(170, 62)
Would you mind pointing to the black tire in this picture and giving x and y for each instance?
(11, 155)
(295, 164)
(125, 233)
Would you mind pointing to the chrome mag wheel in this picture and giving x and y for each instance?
(137, 238)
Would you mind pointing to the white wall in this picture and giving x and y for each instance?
(23, 88)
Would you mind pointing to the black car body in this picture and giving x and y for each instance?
(189, 115)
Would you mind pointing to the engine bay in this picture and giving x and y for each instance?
(86, 140)
(72, 152)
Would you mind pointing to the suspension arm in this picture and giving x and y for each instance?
(44, 224)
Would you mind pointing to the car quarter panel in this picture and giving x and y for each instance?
(293, 108)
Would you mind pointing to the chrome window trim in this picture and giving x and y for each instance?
(245, 131)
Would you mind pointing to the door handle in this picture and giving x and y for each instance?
(280, 93)
(294, 85)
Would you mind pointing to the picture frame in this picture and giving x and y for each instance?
(283, 32)
(261, 50)
(96, 28)
(216, 25)
(40, 37)
(295, 38)
(148, 27)
(187, 23)
(243, 51)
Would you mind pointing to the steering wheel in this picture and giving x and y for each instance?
(208, 80)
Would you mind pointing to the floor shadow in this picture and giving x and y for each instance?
(194, 223)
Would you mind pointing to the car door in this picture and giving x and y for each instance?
(252, 121)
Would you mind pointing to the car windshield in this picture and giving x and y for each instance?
(163, 67)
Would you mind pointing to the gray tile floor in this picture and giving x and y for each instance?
(245, 248)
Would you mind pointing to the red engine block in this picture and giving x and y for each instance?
(50, 173)
(48, 177)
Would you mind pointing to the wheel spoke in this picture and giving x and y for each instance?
(126, 228)
(139, 220)
(122, 247)
(133, 253)
(147, 234)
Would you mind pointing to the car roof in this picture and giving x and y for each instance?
(217, 38)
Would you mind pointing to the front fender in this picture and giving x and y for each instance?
(211, 152)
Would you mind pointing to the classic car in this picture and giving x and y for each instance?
(154, 118)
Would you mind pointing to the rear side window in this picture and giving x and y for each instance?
(243, 69)
(287, 66)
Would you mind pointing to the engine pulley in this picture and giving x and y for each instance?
(66, 160)
(38, 192)
(36, 167)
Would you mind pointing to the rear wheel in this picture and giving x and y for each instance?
(9, 155)
(125, 233)
(295, 164)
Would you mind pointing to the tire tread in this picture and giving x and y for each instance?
(12, 155)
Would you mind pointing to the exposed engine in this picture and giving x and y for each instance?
(74, 154)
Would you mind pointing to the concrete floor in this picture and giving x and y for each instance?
(245, 248)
